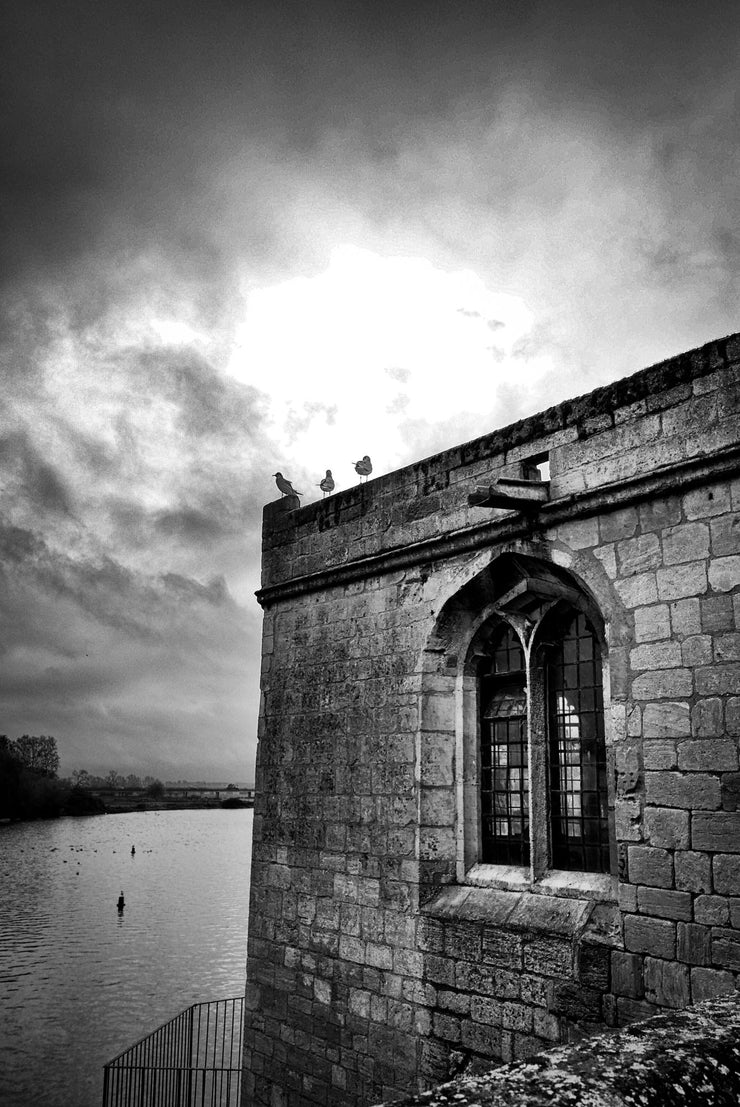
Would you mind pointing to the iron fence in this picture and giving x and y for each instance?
(194, 1060)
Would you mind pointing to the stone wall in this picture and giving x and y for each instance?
(383, 956)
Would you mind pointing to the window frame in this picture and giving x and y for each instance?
(539, 874)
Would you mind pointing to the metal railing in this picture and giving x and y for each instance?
(194, 1060)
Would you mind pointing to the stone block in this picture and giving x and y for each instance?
(706, 718)
(483, 1009)
(732, 716)
(627, 974)
(593, 966)
(667, 983)
(663, 684)
(573, 1001)
(616, 525)
(659, 514)
(656, 655)
(643, 934)
(546, 1026)
(440, 970)
(660, 754)
(681, 581)
(708, 983)
(487, 980)
(481, 1039)
(534, 990)
(437, 806)
(652, 623)
(627, 819)
(727, 647)
(686, 790)
(718, 831)
(731, 791)
(457, 1003)
(463, 942)
(726, 868)
(686, 617)
(517, 1016)
(693, 871)
(726, 949)
(718, 680)
(686, 542)
(446, 1027)
(648, 865)
(581, 533)
(724, 573)
(717, 614)
(437, 759)
(703, 503)
(637, 555)
(664, 904)
(713, 755)
(666, 720)
(712, 910)
(725, 534)
(638, 590)
(697, 650)
(548, 956)
(502, 948)
(694, 943)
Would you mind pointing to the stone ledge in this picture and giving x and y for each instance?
(526, 912)
(685, 1057)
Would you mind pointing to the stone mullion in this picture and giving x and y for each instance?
(539, 813)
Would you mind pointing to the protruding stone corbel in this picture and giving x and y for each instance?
(516, 495)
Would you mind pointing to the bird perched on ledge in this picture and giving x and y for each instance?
(364, 467)
(285, 486)
(327, 484)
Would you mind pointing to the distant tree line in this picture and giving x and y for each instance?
(153, 787)
(29, 785)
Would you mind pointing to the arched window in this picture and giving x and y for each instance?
(543, 778)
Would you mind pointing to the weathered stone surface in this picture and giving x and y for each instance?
(726, 867)
(667, 983)
(648, 865)
(684, 1057)
(666, 720)
(716, 831)
(693, 871)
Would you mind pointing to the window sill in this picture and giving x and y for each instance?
(531, 908)
(601, 887)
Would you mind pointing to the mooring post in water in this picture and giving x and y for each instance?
(121, 903)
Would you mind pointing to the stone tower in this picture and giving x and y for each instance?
(498, 797)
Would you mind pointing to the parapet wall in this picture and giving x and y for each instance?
(384, 956)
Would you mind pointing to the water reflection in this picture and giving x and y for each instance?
(79, 980)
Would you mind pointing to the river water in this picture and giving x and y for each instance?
(79, 982)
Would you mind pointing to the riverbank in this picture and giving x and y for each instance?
(123, 805)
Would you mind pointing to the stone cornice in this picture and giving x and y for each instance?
(668, 479)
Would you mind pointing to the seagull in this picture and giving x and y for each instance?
(327, 484)
(364, 467)
(285, 486)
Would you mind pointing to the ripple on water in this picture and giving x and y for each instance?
(78, 981)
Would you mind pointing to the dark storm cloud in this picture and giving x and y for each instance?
(162, 160)
(35, 479)
(118, 112)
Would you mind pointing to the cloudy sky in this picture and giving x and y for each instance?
(247, 236)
